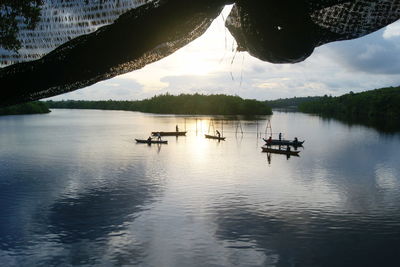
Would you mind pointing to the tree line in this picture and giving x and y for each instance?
(293, 102)
(35, 107)
(196, 104)
(379, 103)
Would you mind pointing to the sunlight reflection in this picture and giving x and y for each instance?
(198, 127)
(385, 177)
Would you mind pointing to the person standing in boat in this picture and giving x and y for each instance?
(280, 136)
(176, 127)
(218, 133)
(159, 136)
(295, 140)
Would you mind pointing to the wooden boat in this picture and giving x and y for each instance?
(145, 141)
(277, 142)
(280, 151)
(214, 137)
(169, 133)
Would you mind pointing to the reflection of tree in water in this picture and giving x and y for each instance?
(10, 10)
(307, 238)
(389, 126)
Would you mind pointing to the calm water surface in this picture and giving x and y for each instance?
(75, 189)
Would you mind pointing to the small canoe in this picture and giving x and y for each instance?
(214, 137)
(145, 141)
(169, 133)
(280, 151)
(277, 142)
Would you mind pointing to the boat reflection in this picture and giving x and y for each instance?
(269, 157)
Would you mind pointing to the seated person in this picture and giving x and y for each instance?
(269, 140)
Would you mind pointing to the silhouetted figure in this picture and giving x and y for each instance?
(149, 139)
(295, 140)
(269, 141)
(288, 148)
(176, 127)
(218, 133)
(280, 136)
(159, 136)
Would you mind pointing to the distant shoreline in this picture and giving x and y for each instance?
(180, 105)
(380, 104)
(379, 108)
(29, 108)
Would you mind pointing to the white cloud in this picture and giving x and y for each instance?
(268, 85)
(392, 31)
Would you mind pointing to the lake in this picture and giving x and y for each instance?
(75, 189)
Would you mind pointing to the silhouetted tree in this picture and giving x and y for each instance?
(378, 103)
(181, 104)
(35, 107)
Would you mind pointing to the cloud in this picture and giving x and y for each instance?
(377, 53)
(392, 31)
(258, 69)
(110, 89)
(268, 85)
(212, 84)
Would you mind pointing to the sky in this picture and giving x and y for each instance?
(210, 65)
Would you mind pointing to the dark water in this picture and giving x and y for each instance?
(75, 189)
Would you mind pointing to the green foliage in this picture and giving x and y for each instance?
(11, 11)
(196, 104)
(379, 103)
(290, 102)
(26, 108)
